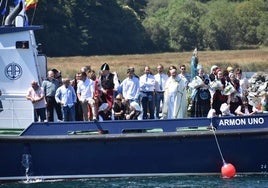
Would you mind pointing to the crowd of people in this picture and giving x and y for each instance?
(163, 95)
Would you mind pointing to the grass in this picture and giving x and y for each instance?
(248, 60)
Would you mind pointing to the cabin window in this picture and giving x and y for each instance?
(22, 44)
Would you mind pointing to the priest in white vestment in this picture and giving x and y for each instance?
(174, 101)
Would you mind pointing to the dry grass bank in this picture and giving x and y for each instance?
(248, 60)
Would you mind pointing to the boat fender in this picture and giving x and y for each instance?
(228, 170)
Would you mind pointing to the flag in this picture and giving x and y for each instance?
(30, 4)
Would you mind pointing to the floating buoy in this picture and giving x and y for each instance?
(228, 170)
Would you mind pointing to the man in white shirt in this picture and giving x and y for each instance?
(66, 96)
(147, 89)
(85, 89)
(130, 87)
(37, 96)
(160, 81)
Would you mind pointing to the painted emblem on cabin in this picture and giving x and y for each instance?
(13, 71)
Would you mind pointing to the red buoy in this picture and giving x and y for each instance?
(228, 170)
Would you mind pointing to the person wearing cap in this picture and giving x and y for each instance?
(36, 95)
(85, 89)
(160, 81)
(174, 105)
(109, 84)
(130, 87)
(66, 97)
(50, 85)
(213, 75)
(119, 108)
(147, 89)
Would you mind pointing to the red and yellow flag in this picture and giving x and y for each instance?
(30, 4)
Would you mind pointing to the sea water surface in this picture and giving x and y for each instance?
(260, 181)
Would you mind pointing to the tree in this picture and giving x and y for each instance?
(250, 15)
(219, 25)
(73, 27)
(184, 24)
(157, 29)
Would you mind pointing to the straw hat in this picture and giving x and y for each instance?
(119, 97)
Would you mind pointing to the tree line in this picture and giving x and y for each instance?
(101, 27)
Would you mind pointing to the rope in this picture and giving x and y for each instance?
(216, 139)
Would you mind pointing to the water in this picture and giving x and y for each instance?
(148, 182)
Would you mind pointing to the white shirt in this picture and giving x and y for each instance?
(37, 94)
(65, 96)
(85, 89)
(147, 83)
(130, 88)
(159, 83)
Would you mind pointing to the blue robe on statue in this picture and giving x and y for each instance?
(194, 63)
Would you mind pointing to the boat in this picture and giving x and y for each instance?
(123, 148)
(135, 148)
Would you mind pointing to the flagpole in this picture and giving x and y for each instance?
(33, 14)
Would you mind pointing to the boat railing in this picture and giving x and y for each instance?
(16, 112)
